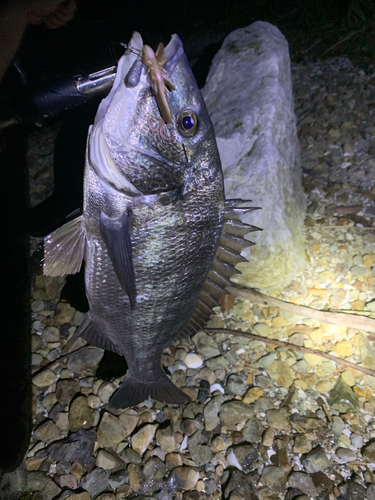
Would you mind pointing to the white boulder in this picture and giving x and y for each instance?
(249, 96)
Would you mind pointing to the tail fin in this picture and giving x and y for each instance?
(132, 392)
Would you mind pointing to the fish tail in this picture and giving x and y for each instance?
(133, 391)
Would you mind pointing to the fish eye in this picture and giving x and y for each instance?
(187, 122)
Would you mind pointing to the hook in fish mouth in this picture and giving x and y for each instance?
(159, 128)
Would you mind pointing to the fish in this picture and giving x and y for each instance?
(158, 238)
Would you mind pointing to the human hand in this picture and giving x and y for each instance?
(53, 13)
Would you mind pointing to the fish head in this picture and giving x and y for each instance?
(155, 133)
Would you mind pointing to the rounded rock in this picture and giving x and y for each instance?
(105, 460)
(183, 478)
(44, 378)
(81, 416)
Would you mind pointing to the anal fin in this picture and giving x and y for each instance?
(93, 336)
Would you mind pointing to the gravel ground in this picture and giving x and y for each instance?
(265, 422)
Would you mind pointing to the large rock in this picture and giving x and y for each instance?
(248, 94)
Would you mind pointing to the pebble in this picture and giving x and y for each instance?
(143, 438)
(206, 345)
(95, 482)
(110, 431)
(44, 378)
(84, 360)
(304, 483)
(64, 314)
(183, 478)
(234, 412)
(81, 416)
(193, 360)
(66, 390)
(105, 460)
(316, 460)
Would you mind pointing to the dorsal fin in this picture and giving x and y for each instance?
(232, 243)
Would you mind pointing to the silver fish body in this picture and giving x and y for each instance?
(152, 221)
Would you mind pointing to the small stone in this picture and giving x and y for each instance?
(211, 412)
(51, 490)
(343, 399)
(242, 457)
(78, 447)
(346, 455)
(81, 416)
(64, 314)
(79, 496)
(36, 343)
(316, 460)
(301, 367)
(356, 441)
(371, 492)
(118, 478)
(95, 482)
(239, 487)
(302, 444)
(68, 481)
(189, 426)
(275, 478)
(44, 378)
(33, 463)
(85, 360)
(252, 395)
(166, 440)
(105, 460)
(324, 386)
(217, 444)
(173, 460)
(129, 420)
(281, 373)
(234, 412)
(220, 362)
(47, 432)
(278, 419)
(369, 452)
(93, 401)
(236, 385)
(262, 329)
(179, 378)
(304, 483)
(200, 453)
(105, 391)
(110, 431)
(193, 360)
(37, 305)
(62, 420)
(206, 345)
(106, 496)
(252, 432)
(66, 389)
(337, 425)
(183, 478)
(143, 438)
(268, 437)
(343, 348)
(207, 374)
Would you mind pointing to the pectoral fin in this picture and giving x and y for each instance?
(116, 235)
(64, 249)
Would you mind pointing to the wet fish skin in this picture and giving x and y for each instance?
(151, 224)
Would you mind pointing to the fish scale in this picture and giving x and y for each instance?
(159, 240)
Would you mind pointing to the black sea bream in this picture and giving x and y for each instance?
(153, 219)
